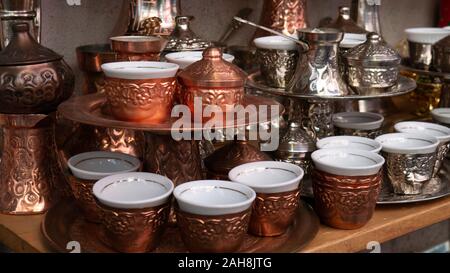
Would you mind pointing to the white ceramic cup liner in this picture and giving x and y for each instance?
(349, 142)
(440, 132)
(135, 39)
(358, 120)
(441, 115)
(351, 40)
(97, 165)
(268, 176)
(213, 197)
(133, 190)
(186, 58)
(275, 42)
(140, 70)
(405, 143)
(347, 162)
(426, 35)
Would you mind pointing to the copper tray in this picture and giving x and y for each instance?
(65, 223)
(404, 86)
(435, 188)
(92, 110)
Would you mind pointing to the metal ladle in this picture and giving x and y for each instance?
(301, 43)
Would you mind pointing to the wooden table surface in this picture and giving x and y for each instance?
(23, 233)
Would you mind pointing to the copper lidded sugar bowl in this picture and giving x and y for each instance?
(33, 78)
(215, 81)
(372, 67)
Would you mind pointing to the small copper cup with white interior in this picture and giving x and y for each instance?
(213, 215)
(277, 194)
(140, 91)
(134, 210)
(138, 48)
(87, 168)
(346, 185)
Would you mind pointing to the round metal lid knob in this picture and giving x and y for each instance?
(373, 37)
(212, 53)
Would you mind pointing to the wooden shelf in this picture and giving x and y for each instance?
(23, 233)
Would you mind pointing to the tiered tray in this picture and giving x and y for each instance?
(404, 86)
(64, 223)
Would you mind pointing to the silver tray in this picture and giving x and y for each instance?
(404, 86)
(435, 188)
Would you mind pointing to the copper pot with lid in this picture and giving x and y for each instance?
(33, 78)
(214, 80)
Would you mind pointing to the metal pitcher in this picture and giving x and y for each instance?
(142, 12)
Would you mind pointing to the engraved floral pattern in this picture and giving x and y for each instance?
(408, 173)
(372, 76)
(277, 66)
(276, 205)
(343, 201)
(220, 97)
(361, 133)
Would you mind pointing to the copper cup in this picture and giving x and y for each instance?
(134, 230)
(82, 191)
(345, 202)
(213, 234)
(273, 213)
(138, 48)
(140, 91)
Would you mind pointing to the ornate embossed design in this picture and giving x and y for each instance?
(178, 160)
(345, 202)
(408, 173)
(277, 66)
(141, 99)
(31, 179)
(137, 57)
(37, 88)
(273, 213)
(355, 132)
(284, 15)
(372, 76)
(440, 157)
(221, 97)
(82, 191)
(222, 233)
(141, 18)
(137, 230)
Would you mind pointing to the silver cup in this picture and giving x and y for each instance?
(277, 66)
(420, 55)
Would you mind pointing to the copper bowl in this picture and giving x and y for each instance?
(345, 202)
(273, 213)
(213, 234)
(138, 48)
(146, 95)
(82, 191)
(134, 230)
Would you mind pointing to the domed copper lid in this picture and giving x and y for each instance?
(213, 71)
(24, 50)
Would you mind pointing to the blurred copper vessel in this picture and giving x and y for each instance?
(233, 154)
(134, 230)
(214, 80)
(283, 15)
(273, 213)
(138, 48)
(82, 191)
(137, 100)
(90, 59)
(31, 179)
(213, 234)
(345, 202)
(19, 11)
(34, 79)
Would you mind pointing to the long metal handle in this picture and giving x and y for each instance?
(301, 43)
